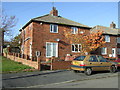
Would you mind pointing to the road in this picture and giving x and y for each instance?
(109, 82)
(57, 79)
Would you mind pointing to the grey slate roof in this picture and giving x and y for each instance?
(56, 20)
(106, 30)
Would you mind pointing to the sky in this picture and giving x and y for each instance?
(87, 13)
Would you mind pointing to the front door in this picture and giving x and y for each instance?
(113, 52)
(51, 49)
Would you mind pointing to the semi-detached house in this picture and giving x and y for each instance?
(46, 35)
(112, 39)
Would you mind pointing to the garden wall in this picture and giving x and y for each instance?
(60, 65)
(15, 57)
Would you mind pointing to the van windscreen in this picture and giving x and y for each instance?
(80, 58)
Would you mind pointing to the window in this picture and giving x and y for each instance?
(74, 30)
(107, 38)
(102, 59)
(76, 47)
(104, 50)
(118, 39)
(118, 50)
(53, 28)
(93, 59)
(80, 58)
(51, 49)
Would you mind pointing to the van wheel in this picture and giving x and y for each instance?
(88, 71)
(112, 69)
(75, 71)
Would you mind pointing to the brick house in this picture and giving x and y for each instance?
(46, 34)
(112, 38)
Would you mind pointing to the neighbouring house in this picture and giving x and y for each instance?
(112, 39)
(45, 34)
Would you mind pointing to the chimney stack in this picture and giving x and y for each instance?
(54, 12)
(112, 25)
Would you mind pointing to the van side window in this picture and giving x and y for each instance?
(93, 59)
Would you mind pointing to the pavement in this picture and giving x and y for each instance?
(29, 74)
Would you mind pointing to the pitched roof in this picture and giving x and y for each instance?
(106, 30)
(56, 20)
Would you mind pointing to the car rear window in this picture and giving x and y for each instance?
(80, 58)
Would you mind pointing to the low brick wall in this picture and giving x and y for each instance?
(60, 65)
(30, 63)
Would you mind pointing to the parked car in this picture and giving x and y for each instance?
(90, 63)
(117, 62)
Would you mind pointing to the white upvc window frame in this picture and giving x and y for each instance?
(107, 38)
(52, 28)
(52, 49)
(74, 30)
(73, 49)
(105, 51)
(118, 39)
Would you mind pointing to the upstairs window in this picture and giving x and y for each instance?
(53, 28)
(76, 47)
(74, 30)
(103, 50)
(107, 38)
(118, 39)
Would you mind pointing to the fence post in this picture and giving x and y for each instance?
(39, 63)
(52, 60)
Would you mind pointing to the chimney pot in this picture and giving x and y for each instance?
(112, 25)
(54, 12)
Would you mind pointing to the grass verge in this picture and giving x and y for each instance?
(9, 66)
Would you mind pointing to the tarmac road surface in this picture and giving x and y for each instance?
(56, 79)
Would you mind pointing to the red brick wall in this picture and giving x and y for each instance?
(109, 46)
(60, 65)
(23, 61)
(42, 34)
(28, 34)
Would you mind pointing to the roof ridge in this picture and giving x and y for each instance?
(75, 21)
(41, 16)
(108, 27)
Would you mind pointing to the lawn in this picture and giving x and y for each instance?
(12, 66)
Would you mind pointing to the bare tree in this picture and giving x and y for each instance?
(6, 25)
(7, 22)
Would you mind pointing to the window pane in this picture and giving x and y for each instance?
(118, 40)
(80, 58)
(79, 47)
(118, 50)
(103, 50)
(102, 59)
(73, 48)
(54, 49)
(107, 38)
(48, 48)
(93, 59)
(76, 47)
(55, 28)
